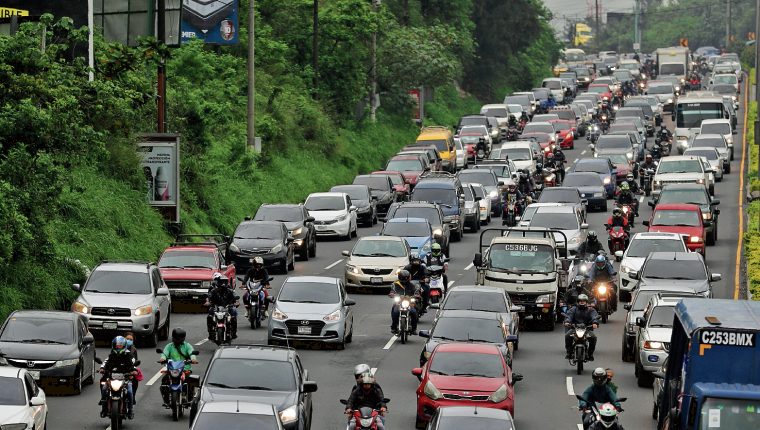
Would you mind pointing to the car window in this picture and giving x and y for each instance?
(187, 259)
(31, 386)
(156, 280)
(672, 217)
(661, 316)
(467, 364)
(279, 213)
(684, 270)
(429, 213)
(641, 300)
(12, 392)
(642, 247)
(693, 196)
(244, 373)
(309, 292)
(407, 229)
(467, 300)
(117, 281)
(367, 247)
(258, 231)
(464, 329)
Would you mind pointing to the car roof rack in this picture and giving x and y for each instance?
(437, 174)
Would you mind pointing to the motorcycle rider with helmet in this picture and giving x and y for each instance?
(403, 287)
(603, 271)
(120, 360)
(598, 392)
(512, 193)
(418, 272)
(525, 183)
(592, 246)
(664, 134)
(626, 197)
(257, 273)
(359, 371)
(438, 258)
(559, 158)
(577, 288)
(648, 164)
(221, 294)
(618, 220)
(177, 350)
(581, 313)
(367, 395)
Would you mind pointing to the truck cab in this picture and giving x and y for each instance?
(529, 264)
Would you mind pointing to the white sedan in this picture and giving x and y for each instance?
(485, 203)
(22, 402)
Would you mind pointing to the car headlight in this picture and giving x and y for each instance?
(670, 100)
(607, 181)
(598, 194)
(144, 310)
(432, 392)
(80, 308)
(64, 363)
(206, 284)
(706, 215)
(575, 240)
(493, 194)
(277, 248)
(695, 239)
(234, 248)
(297, 231)
(701, 181)
(629, 154)
(499, 395)
(279, 315)
(352, 269)
(652, 345)
(585, 79)
(335, 316)
(341, 218)
(626, 269)
(289, 415)
(546, 298)
(426, 248)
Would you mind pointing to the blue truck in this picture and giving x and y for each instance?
(712, 376)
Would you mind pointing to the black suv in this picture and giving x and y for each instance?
(429, 211)
(299, 223)
(269, 240)
(260, 374)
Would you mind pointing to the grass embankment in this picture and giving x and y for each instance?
(752, 231)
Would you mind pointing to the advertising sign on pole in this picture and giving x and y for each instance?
(214, 22)
(160, 163)
(416, 95)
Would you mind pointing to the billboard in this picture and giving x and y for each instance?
(213, 21)
(160, 164)
(125, 21)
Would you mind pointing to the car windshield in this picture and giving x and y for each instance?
(553, 85)
(629, 66)
(12, 392)
(558, 220)
(191, 259)
(279, 213)
(483, 177)
(467, 364)
(641, 300)
(501, 171)
(710, 154)
(617, 158)
(515, 108)
(369, 247)
(522, 258)
(260, 231)
(233, 421)
(615, 142)
(599, 90)
(732, 414)
(716, 128)
(429, 213)
(435, 195)
(473, 120)
(669, 269)
(118, 282)
(309, 292)
(709, 142)
(594, 167)
(679, 166)
(516, 154)
(470, 423)
(723, 89)
(469, 139)
(497, 112)
(662, 316)
(379, 183)
(467, 329)
(669, 217)
(660, 89)
(356, 193)
(480, 130)
(38, 330)
(475, 301)
(641, 248)
(326, 203)
(407, 229)
(538, 128)
(440, 145)
(247, 374)
(554, 195)
(572, 180)
(520, 100)
(725, 79)
(404, 165)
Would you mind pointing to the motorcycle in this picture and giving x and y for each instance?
(436, 283)
(222, 322)
(627, 212)
(256, 299)
(580, 346)
(618, 237)
(480, 151)
(602, 295)
(366, 418)
(405, 304)
(549, 177)
(180, 391)
(509, 217)
(597, 422)
(645, 178)
(117, 397)
(512, 134)
(665, 143)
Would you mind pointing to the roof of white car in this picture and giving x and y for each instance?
(10, 372)
(716, 121)
(656, 235)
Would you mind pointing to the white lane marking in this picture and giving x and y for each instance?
(469, 266)
(333, 265)
(374, 370)
(155, 377)
(575, 161)
(451, 284)
(390, 342)
(641, 199)
(567, 169)
(583, 152)
(569, 386)
(580, 426)
(201, 342)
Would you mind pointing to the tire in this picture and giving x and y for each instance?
(550, 324)
(350, 337)
(91, 378)
(304, 254)
(79, 382)
(712, 237)
(604, 318)
(655, 411)
(151, 340)
(644, 379)
(456, 236)
(174, 403)
(219, 335)
(355, 234)
(115, 415)
(403, 335)
(626, 354)
(164, 332)
(313, 248)
(579, 361)
(728, 169)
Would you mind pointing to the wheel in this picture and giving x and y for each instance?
(579, 360)
(151, 340)
(115, 415)
(91, 378)
(257, 321)
(644, 379)
(728, 168)
(456, 236)
(284, 266)
(354, 234)
(219, 335)
(163, 334)
(655, 411)
(350, 337)
(604, 318)
(420, 424)
(79, 380)
(549, 323)
(403, 335)
(312, 248)
(712, 190)
(175, 405)
(304, 254)
(713, 237)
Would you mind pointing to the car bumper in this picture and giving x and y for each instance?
(189, 294)
(651, 360)
(483, 213)
(364, 280)
(426, 407)
(696, 247)
(140, 325)
(332, 332)
(243, 263)
(364, 216)
(51, 375)
(625, 282)
(340, 228)
(596, 202)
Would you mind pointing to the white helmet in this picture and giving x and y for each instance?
(368, 378)
(361, 369)
(608, 414)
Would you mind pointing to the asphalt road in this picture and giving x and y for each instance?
(544, 399)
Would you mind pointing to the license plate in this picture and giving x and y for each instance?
(321, 227)
(110, 325)
(376, 280)
(35, 374)
(304, 330)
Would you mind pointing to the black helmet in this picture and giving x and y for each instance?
(178, 335)
(404, 275)
(592, 234)
(599, 376)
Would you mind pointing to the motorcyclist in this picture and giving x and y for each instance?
(602, 271)
(359, 371)
(648, 164)
(664, 134)
(577, 287)
(598, 392)
(482, 145)
(581, 313)
(120, 360)
(419, 273)
(617, 219)
(403, 287)
(512, 193)
(626, 197)
(221, 294)
(177, 350)
(593, 246)
(525, 182)
(257, 273)
(438, 258)
(610, 375)
(370, 395)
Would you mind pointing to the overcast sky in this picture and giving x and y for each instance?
(577, 9)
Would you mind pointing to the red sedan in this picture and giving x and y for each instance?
(685, 219)
(411, 167)
(464, 374)
(565, 132)
(603, 90)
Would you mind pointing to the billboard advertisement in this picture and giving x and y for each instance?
(215, 22)
(160, 164)
(74, 9)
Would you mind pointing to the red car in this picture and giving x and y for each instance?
(411, 167)
(603, 90)
(464, 374)
(682, 218)
(623, 164)
(188, 267)
(565, 133)
(401, 187)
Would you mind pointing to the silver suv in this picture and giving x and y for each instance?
(125, 296)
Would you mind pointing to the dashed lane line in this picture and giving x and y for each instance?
(569, 386)
(334, 264)
(390, 342)
(201, 342)
(469, 266)
(155, 377)
(641, 199)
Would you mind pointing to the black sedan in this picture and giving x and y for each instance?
(299, 223)
(56, 348)
(381, 187)
(363, 199)
(269, 240)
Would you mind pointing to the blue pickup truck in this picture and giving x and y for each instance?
(712, 378)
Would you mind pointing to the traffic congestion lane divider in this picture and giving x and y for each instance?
(469, 266)
(569, 386)
(390, 342)
(334, 264)
(740, 241)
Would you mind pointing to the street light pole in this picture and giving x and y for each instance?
(251, 126)
(373, 71)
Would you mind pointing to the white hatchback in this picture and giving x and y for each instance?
(333, 213)
(641, 245)
(22, 403)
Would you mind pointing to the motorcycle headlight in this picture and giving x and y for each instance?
(80, 308)
(335, 316)
(396, 299)
(432, 392)
(64, 363)
(546, 298)
(352, 269)
(652, 345)
(144, 310)
(277, 248)
(288, 415)
(437, 232)
(499, 395)
(606, 181)
(643, 76)
(297, 231)
(616, 107)
(116, 384)
(493, 194)
(365, 422)
(279, 315)
(678, 88)
(174, 373)
(601, 289)
(584, 268)
(605, 98)
(405, 304)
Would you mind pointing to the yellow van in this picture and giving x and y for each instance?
(443, 140)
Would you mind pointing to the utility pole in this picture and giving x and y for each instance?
(637, 24)
(161, 86)
(597, 37)
(315, 46)
(373, 70)
(728, 23)
(757, 78)
(251, 125)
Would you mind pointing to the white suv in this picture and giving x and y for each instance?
(681, 169)
(722, 127)
(641, 245)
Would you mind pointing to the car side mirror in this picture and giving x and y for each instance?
(345, 253)
(76, 287)
(159, 351)
(517, 377)
(640, 322)
(715, 277)
(352, 208)
(634, 275)
(374, 197)
(715, 202)
(36, 401)
(310, 219)
(618, 255)
(195, 353)
(500, 183)
(98, 360)
(517, 308)
(88, 338)
(435, 306)
(646, 223)
(584, 226)
(425, 333)
(512, 338)
(627, 306)
(163, 291)
(477, 260)
(651, 204)
(290, 239)
(309, 386)
(349, 302)
(417, 371)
